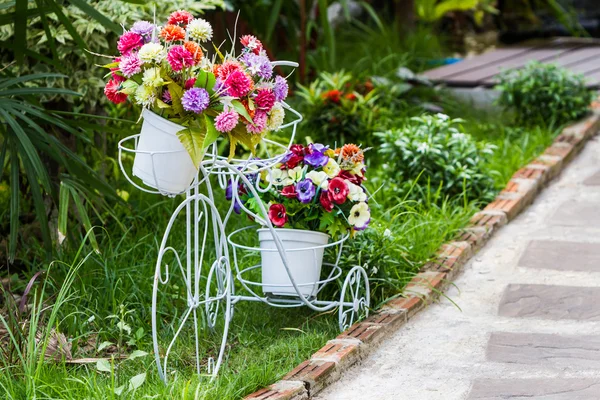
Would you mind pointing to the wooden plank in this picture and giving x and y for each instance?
(586, 67)
(470, 64)
(487, 75)
(593, 80)
(578, 55)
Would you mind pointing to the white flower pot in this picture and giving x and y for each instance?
(304, 265)
(172, 171)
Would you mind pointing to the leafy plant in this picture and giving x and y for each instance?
(433, 152)
(544, 94)
(336, 106)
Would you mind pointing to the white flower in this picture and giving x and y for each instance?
(443, 117)
(387, 233)
(459, 136)
(319, 178)
(145, 95)
(359, 216)
(295, 174)
(279, 177)
(200, 29)
(152, 77)
(276, 117)
(357, 169)
(423, 147)
(152, 52)
(332, 169)
(355, 192)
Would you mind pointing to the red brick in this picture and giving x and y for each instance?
(490, 220)
(554, 164)
(409, 304)
(365, 332)
(282, 390)
(510, 205)
(475, 236)
(562, 150)
(339, 351)
(387, 318)
(424, 282)
(531, 171)
(314, 373)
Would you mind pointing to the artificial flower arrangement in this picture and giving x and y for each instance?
(314, 188)
(165, 69)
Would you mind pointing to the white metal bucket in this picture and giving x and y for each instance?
(304, 265)
(170, 169)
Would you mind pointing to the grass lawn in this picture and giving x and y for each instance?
(109, 297)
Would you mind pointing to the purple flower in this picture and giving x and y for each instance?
(316, 156)
(195, 100)
(305, 191)
(166, 97)
(219, 87)
(237, 206)
(144, 29)
(280, 88)
(258, 65)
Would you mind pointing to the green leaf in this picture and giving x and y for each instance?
(212, 134)
(129, 87)
(103, 365)
(85, 219)
(14, 201)
(205, 80)
(275, 11)
(239, 107)
(137, 381)
(193, 141)
(137, 354)
(176, 94)
(63, 212)
(104, 345)
(97, 15)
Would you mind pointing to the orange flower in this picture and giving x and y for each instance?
(351, 152)
(172, 33)
(350, 96)
(194, 50)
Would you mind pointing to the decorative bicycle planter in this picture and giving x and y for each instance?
(203, 268)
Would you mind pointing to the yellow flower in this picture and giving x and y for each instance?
(332, 169)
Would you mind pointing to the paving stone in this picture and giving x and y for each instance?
(538, 389)
(544, 349)
(568, 256)
(551, 302)
(574, 213)
(593, 180)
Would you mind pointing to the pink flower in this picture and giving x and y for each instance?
(130, 65)
(239, 84)
(179, 58)
(111, 90)
(129, 41)
(226, 121)
(265, 99)
(252, 43)
(224, 70)
(259, 122)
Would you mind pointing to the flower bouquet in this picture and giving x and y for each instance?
(189, 99)
(314, 193)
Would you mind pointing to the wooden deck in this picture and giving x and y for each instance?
(580, 56)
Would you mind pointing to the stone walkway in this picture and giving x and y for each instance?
(524, 320)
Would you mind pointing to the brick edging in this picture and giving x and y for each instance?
(327, 364)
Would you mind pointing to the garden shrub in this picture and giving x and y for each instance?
(337, 107)
(432, 152)
(544, 93)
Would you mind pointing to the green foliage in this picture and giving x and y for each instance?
(337, 107)
(544, 94)
(432, 151)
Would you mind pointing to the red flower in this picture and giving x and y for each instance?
(350, 96)
(298, 149)
(190, 83)
(337, 191)
(265, 99)
(292, 161)
(180, 17)
(347, 175)
(326, 201)
(111, 90)
(289, 192)
(277, 215)
(333, 95)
